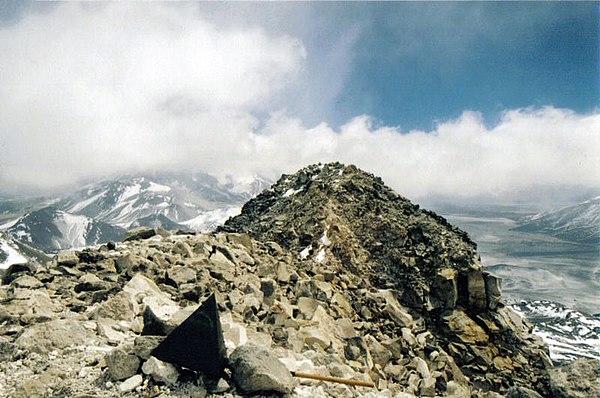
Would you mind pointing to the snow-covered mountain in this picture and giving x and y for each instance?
(569, 334)
(210, 220)
(9, 253)
(51, 230)
(100, 211)
(577, 223)
(165, 200)
(15, 255)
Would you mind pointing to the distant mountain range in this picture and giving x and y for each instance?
(102, 211)
(577, 223)
(51, 230)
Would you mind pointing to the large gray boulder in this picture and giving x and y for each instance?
(256, 369)
(121, 364)
(57, 334)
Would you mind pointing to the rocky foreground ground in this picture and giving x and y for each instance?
(329, 272)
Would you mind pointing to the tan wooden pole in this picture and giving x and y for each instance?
(351, 382)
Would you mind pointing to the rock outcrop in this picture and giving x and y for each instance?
(340, 220)
(329, 272)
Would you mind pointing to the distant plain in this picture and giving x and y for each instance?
(532, 266)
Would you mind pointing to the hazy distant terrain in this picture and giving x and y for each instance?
(533, 266)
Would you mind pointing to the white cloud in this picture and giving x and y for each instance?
(529, 149)
(90, 91)
(99, 89)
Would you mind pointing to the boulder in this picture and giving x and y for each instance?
(180, 275)
(380, 354)
(183, 249)
(476, 290)
(121, 364)
(131, 384)
(398, 315)
(67, 258)
(89, 282)
(33, 306)
(140, 286)
(256, 369)
(492, 290)
(464, 328)
(139, 233)
(222, 267)
(109, 328)
(161, 372)
(7, 349)
(307, 306)
(444, 291)
(118, 307)
(144, 345)
(26, 282)
(57, 334)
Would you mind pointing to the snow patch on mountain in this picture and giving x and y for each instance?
(9, 255)
(73, 228)
(51, 230)
(210, 220)
(569, 334)
(578, 223)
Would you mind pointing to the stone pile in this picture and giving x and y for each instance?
(301, 285)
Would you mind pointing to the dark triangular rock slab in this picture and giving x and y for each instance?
(197, 343)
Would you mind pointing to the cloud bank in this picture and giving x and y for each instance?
(96, 90)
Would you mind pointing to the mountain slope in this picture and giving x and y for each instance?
(52, 230)
(346, 217)
(140, 200)
(577, 223)
(9, 254)
(337, 220)
(343, 278)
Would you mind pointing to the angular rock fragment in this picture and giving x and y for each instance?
(57, 334)
(161, 372)
(144, 345)
(118, 307)
(444, 291)
(26, 282)
(476, 290)
(121, 364)
(492, 290)
(67, 258)
(139, 233)
(256, 369)
(464, 328)
(130, 384)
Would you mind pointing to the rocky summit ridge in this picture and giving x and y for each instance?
(328, 272)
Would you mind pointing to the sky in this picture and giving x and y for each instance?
(493, 100)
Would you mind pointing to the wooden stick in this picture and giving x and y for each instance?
(351, 382)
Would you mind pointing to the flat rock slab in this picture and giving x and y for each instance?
(139, 233)
(256, 369)
(58, 334)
